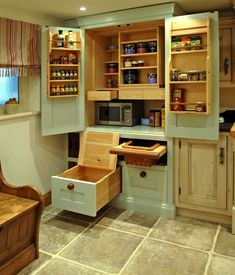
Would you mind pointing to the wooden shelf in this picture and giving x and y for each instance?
(64, 80)
(142, 85)
(111, 74)
(188, 113)
(139, 54)
(189, 51)
(62, 96)
(65, 49)
(188, 82)
(64, 65)
(138, 41)
(186, 103)
(139, 68)
(108, 62)
(111, 51)
(189, 31)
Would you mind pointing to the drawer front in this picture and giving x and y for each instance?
(130, 94)
(144, 182)
(74, 195)
(151, 93)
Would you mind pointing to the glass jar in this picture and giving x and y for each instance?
(134, 63)
(200, 107)
(141, 47)
(128, 63)
(140, 63)
(152, 78)
(130, 77)
(112, 67)
(152, 46)
(129, 49)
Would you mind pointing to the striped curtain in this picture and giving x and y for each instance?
(20, 48)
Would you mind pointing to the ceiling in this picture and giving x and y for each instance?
(68, 9)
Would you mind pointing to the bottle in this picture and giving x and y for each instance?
(60, 39)
(163, 116)
(70, 39)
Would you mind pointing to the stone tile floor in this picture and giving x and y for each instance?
(119, 241)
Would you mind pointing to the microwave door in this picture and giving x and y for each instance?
(115, 116)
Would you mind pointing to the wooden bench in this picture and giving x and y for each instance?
(20, 214)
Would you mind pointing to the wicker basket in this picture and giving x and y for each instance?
(139, 161)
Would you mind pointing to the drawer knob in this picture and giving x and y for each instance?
(143, 174)
(70, 186)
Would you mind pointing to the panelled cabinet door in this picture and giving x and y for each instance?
(225, 51)
(202, 173)
(192, 76)
(62, 81)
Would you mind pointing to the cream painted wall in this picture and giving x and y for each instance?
(27, 157)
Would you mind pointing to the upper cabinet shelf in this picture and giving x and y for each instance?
(140, 58)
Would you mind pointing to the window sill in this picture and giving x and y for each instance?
(18, 115)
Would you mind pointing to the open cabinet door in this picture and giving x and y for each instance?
(192, 76)
(62, 81)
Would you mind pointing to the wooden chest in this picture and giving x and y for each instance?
(18, 224)
(94, 182)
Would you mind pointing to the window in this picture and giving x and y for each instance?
(9, 88)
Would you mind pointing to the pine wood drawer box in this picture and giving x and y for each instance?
(89, 186)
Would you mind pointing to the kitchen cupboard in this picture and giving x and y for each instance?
(202, 177)
(226, 51)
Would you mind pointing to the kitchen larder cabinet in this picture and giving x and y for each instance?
(192, 82)
(201, 174)
(62, 95)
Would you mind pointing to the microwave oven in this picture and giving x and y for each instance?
(119, 113)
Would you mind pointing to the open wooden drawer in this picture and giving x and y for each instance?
(89, 186)
(139, 154)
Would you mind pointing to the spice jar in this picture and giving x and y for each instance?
(109, 83)
(141, 48)
(178, 98)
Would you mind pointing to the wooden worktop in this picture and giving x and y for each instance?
(13, 206)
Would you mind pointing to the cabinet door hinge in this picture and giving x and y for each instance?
(179, 190)
(180, 144)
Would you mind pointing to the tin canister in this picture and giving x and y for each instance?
(178, 97)
(155, 118)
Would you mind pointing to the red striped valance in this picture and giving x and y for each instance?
(20, 48)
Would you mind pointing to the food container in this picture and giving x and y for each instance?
(195, 42)
(176, 43)
(200, 107)
(152, 46)
(129, 49)
(141, 47)
(128, 63)
(140, 63)
(155, 118)
(109, 83)
(145, 121)
(185, 43)
(112, 67)
(134, 63)
(152, 78)
(130, 77)
(178, 97)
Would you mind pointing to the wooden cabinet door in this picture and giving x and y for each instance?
(202, 173)
(225, 49)
(62, 114)
(186, 124)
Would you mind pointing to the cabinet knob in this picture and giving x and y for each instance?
(143, 174)
(70, 186)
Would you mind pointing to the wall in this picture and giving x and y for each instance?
(29, 17)
(26, 156)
